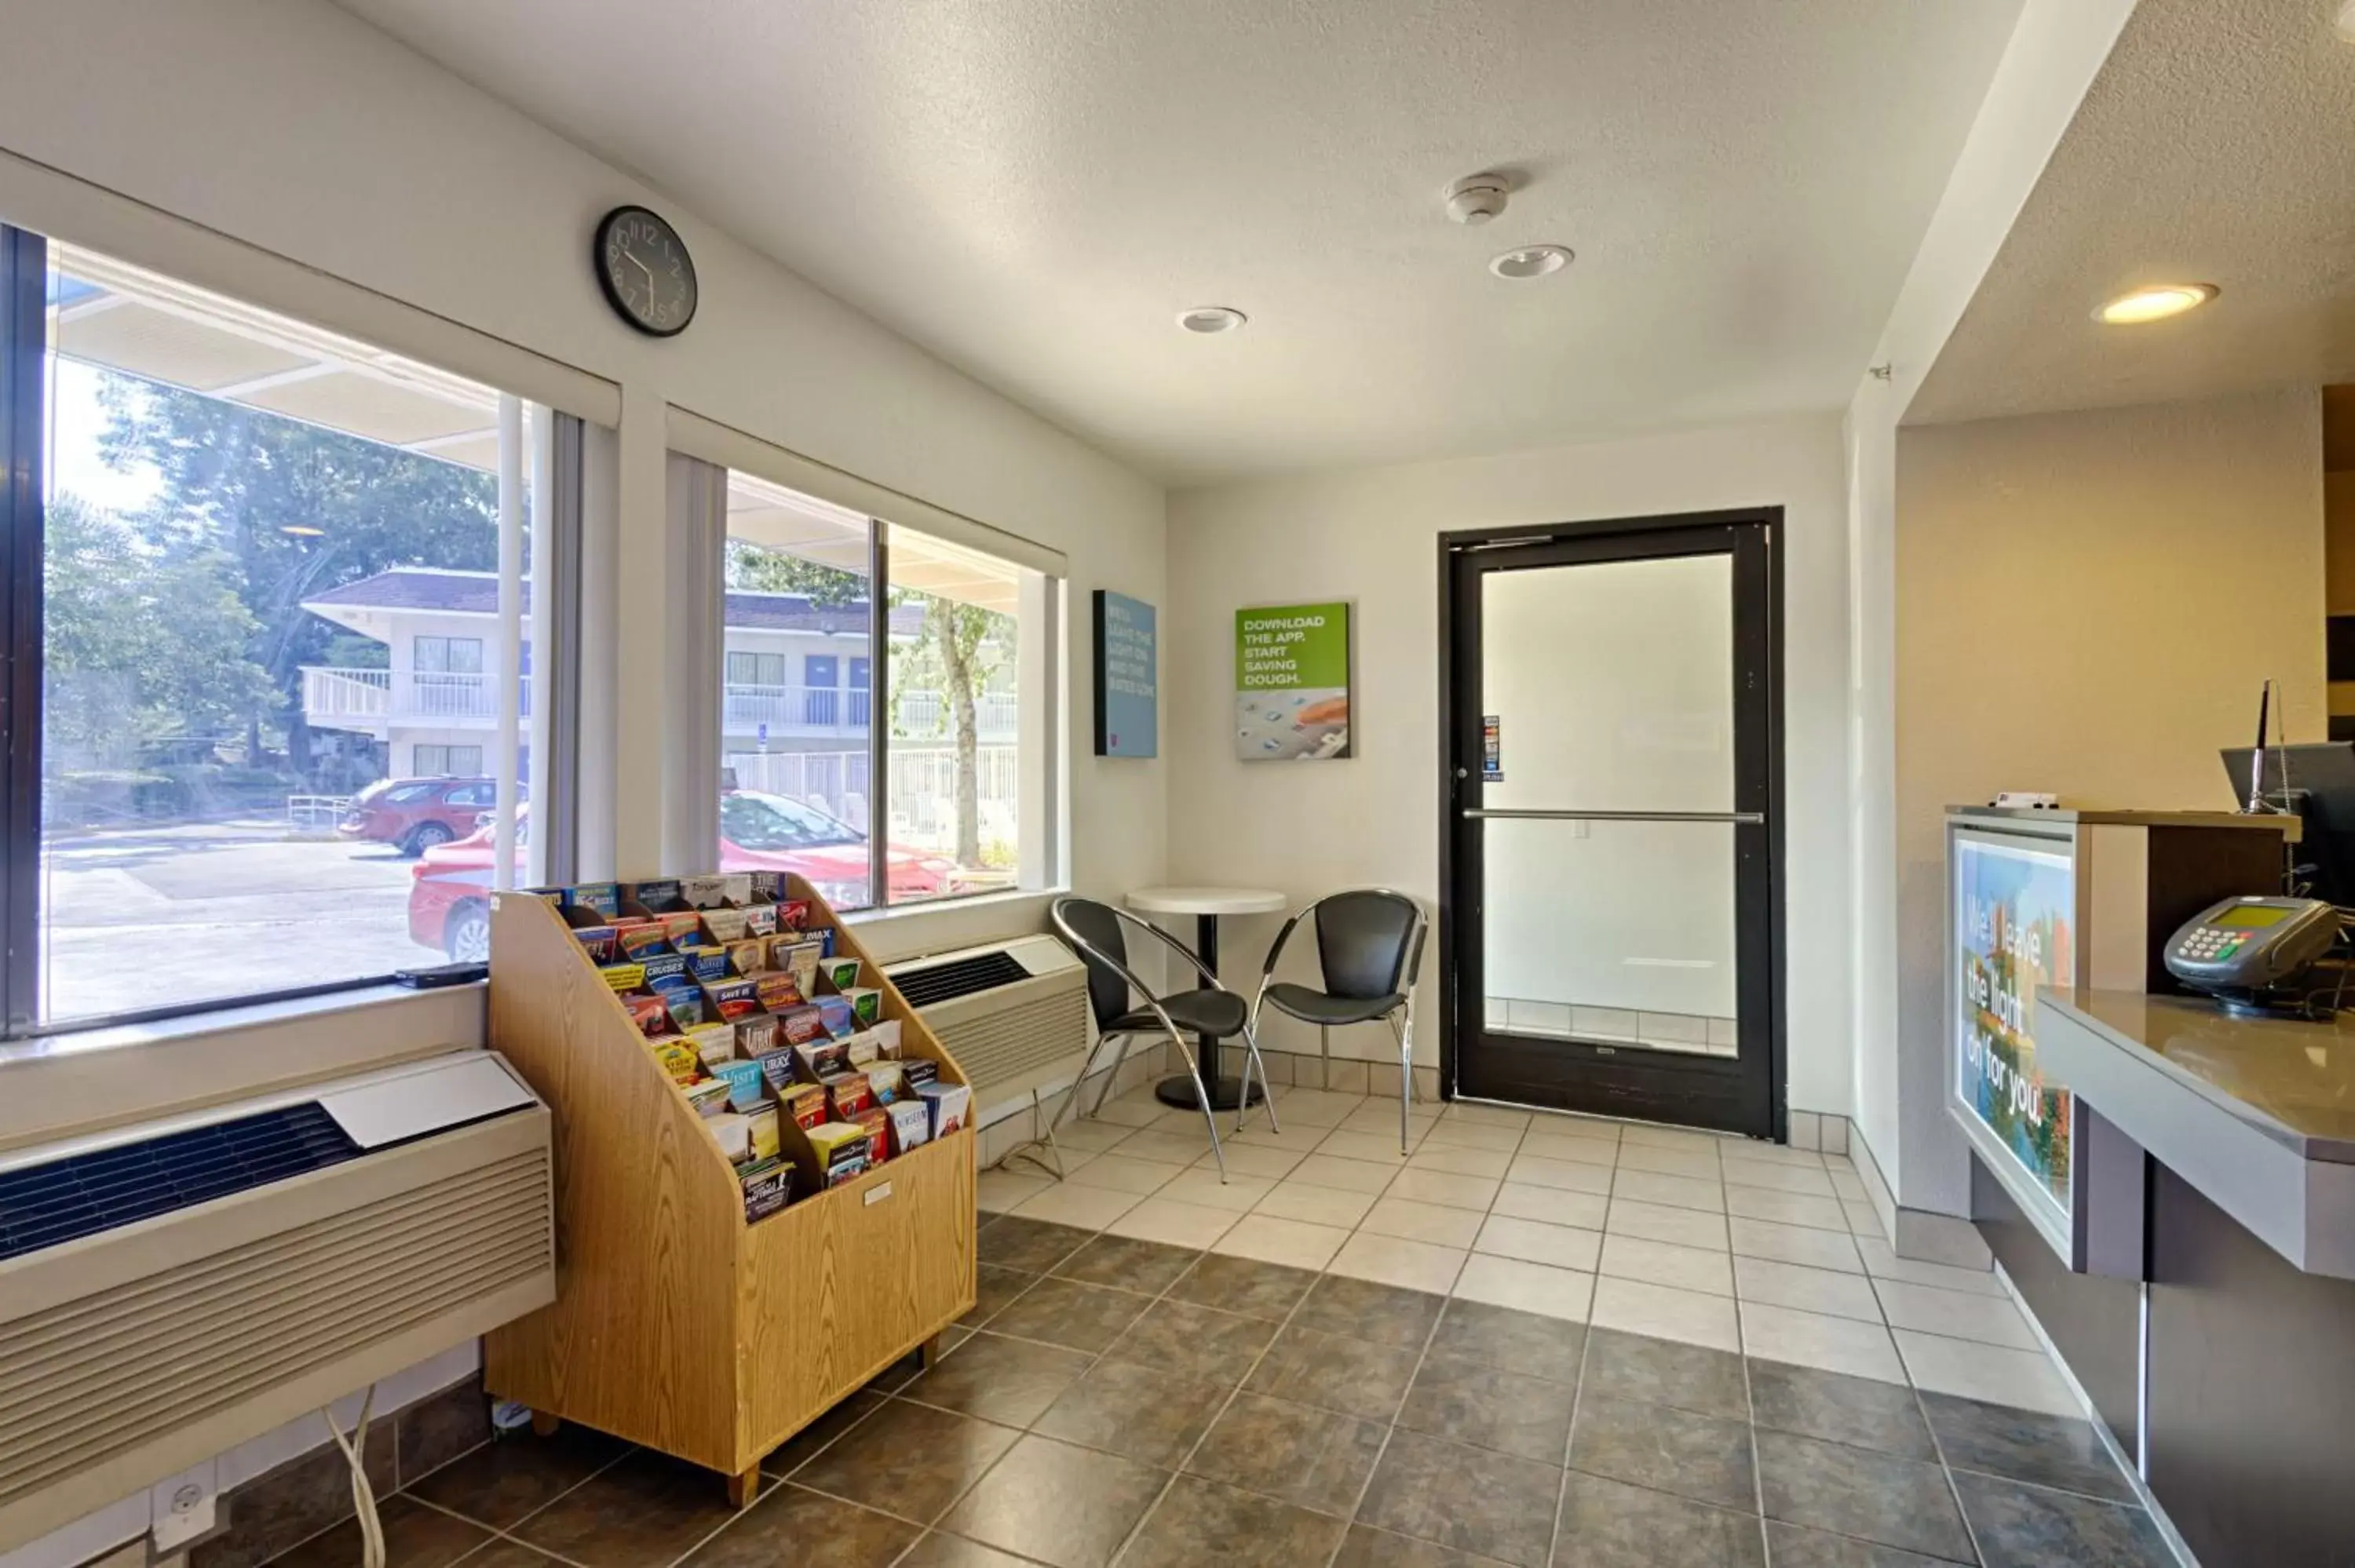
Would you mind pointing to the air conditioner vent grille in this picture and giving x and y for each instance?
(46, 1205)
(960, 977)
(1011, 1045)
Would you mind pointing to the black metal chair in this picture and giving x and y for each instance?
(1370, 949)
(1095, 931)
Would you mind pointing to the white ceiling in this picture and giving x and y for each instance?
(1033, 188)
(2216, 146)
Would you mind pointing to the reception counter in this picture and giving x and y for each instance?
(2206, 1301)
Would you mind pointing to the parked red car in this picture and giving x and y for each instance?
(449, 901)
(418, 813)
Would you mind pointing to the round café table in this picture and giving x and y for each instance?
(1206, 905)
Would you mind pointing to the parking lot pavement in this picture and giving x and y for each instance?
(160, 914)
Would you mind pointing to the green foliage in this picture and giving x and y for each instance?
(756, 569)
(960, 647)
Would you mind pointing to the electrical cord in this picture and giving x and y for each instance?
(354, 1448)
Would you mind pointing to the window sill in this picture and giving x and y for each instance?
(905, 930)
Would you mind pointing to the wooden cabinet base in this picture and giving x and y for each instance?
(543, 1425)
(742, 1489)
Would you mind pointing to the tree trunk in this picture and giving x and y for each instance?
(956, 674)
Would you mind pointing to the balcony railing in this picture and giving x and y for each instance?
(828, 711)
(334, 698)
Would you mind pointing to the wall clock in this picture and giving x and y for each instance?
(643, 268)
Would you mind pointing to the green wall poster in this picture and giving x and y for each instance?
(1292, 683)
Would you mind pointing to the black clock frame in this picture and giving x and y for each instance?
(613, 295)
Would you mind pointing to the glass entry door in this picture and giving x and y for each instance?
(1612, 855)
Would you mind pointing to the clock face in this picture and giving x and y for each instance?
(645, 271)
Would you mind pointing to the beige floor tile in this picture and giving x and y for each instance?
(1393, 1260)
(1267, 1239)
(1443, 1187)
(1795, 1243)
(1257, 1134)
(1956, 1314)
(1848, 1189)
(1434, 1222)
(1319, 1205)
(1863, 1220)
(1793, 1284)
(1451, 1133)
(998, 1190)
(1350, 1175)
(1173, 1223)
(1674, 1192)
(1311, 1107)
(1089, 1208)
(1090, 1136)
(1129, 1112)
(1785, 1208)
(1533, 1241)
(1256, 1159)
(1526, 1286)
(1579, 1151)
(2022, 1378)
(1381, 1116)
(1202, 1186)
(1554, 1205)
(1487, 1116)
(1882, 1263)
(1118, 1171)
(1461, 1161)
(1749, 1150)
(1816, 1340)
(1665, 1263)
(1672, 1136)
(1666, 1313)
(1778, 1178)
(1169, 1148)
(1535, 1171)
(1664, 1223)
(1699, 1163)
(1372, 1147)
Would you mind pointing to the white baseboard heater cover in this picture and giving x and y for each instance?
(1014, 1014)
(172, 1290)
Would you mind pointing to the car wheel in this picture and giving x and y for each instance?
(426, 836)
(467, 936)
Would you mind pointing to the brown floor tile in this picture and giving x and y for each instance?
(802, 1527)
(507, 1481)
(1243, 1285)
(904, 1371)
(1141, 1412)
(1474, 1500)
(1352, 1376)
(2030, 1527)
(1077, 1317)
(1034, 1247)
(1662, 1372)
(939, 1550)
(1200, 1522)
(1874, 1497)
(1128, 1264)
(1194, 1341)
(441, 1427)
(415, 1536)
(501, 1553)
(1063, 1505)
(1007, 1380)
(1367, 1547)
(643, 1512)
(1792, 1547)
(1862, 1411)
(1466, 1401)
(1698, 1456)
(279, 1510)
(798, 1449)
(1314, 1458)
(995, 1289)
(2025, 1445)
(1522, 1342)
(1365, 1311)
(1608, 1524)
(908, 1459)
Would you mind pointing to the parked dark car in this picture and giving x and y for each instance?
(416, 814)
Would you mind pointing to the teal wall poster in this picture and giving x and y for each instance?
(1128, 681)
(2015, 910)
(1292, 683)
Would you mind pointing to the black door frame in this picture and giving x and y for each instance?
(1459, 740)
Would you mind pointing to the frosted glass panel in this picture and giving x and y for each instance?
(1611, 685)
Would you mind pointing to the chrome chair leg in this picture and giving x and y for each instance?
(1406, 1077)
(1202, 1098)
(1325, 1051)
(1251, 1058)
(1111, 1078)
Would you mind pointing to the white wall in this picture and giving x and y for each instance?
(1370, 535)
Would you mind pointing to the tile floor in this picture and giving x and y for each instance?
(1544, 1343)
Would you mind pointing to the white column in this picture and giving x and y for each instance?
(511, 458)
(696, 524)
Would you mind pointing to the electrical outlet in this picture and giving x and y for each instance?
(182, 1508)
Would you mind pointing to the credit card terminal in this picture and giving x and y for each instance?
(2249, 944)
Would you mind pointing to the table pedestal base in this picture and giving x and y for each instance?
(1226, 1093)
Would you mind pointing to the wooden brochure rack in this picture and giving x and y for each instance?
(677, 1325)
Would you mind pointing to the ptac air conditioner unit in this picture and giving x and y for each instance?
(172, 1290)
(1014, 1014)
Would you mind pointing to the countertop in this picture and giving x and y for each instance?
(2068, 814)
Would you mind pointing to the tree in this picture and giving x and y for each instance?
(958, 649)
(142, 643)
(756, 569)
(234, 479)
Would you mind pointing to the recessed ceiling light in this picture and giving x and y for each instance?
(1532, 261)
(1209, 320)
(2156, 303)
(303, 531)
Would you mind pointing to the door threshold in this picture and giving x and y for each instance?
(1606, 1120)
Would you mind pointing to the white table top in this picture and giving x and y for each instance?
(1208, 900)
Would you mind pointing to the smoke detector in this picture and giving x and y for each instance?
(1477, 198)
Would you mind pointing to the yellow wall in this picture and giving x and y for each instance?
(2087, 604)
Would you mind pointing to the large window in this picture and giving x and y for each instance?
(825, 757)
(275, 668)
